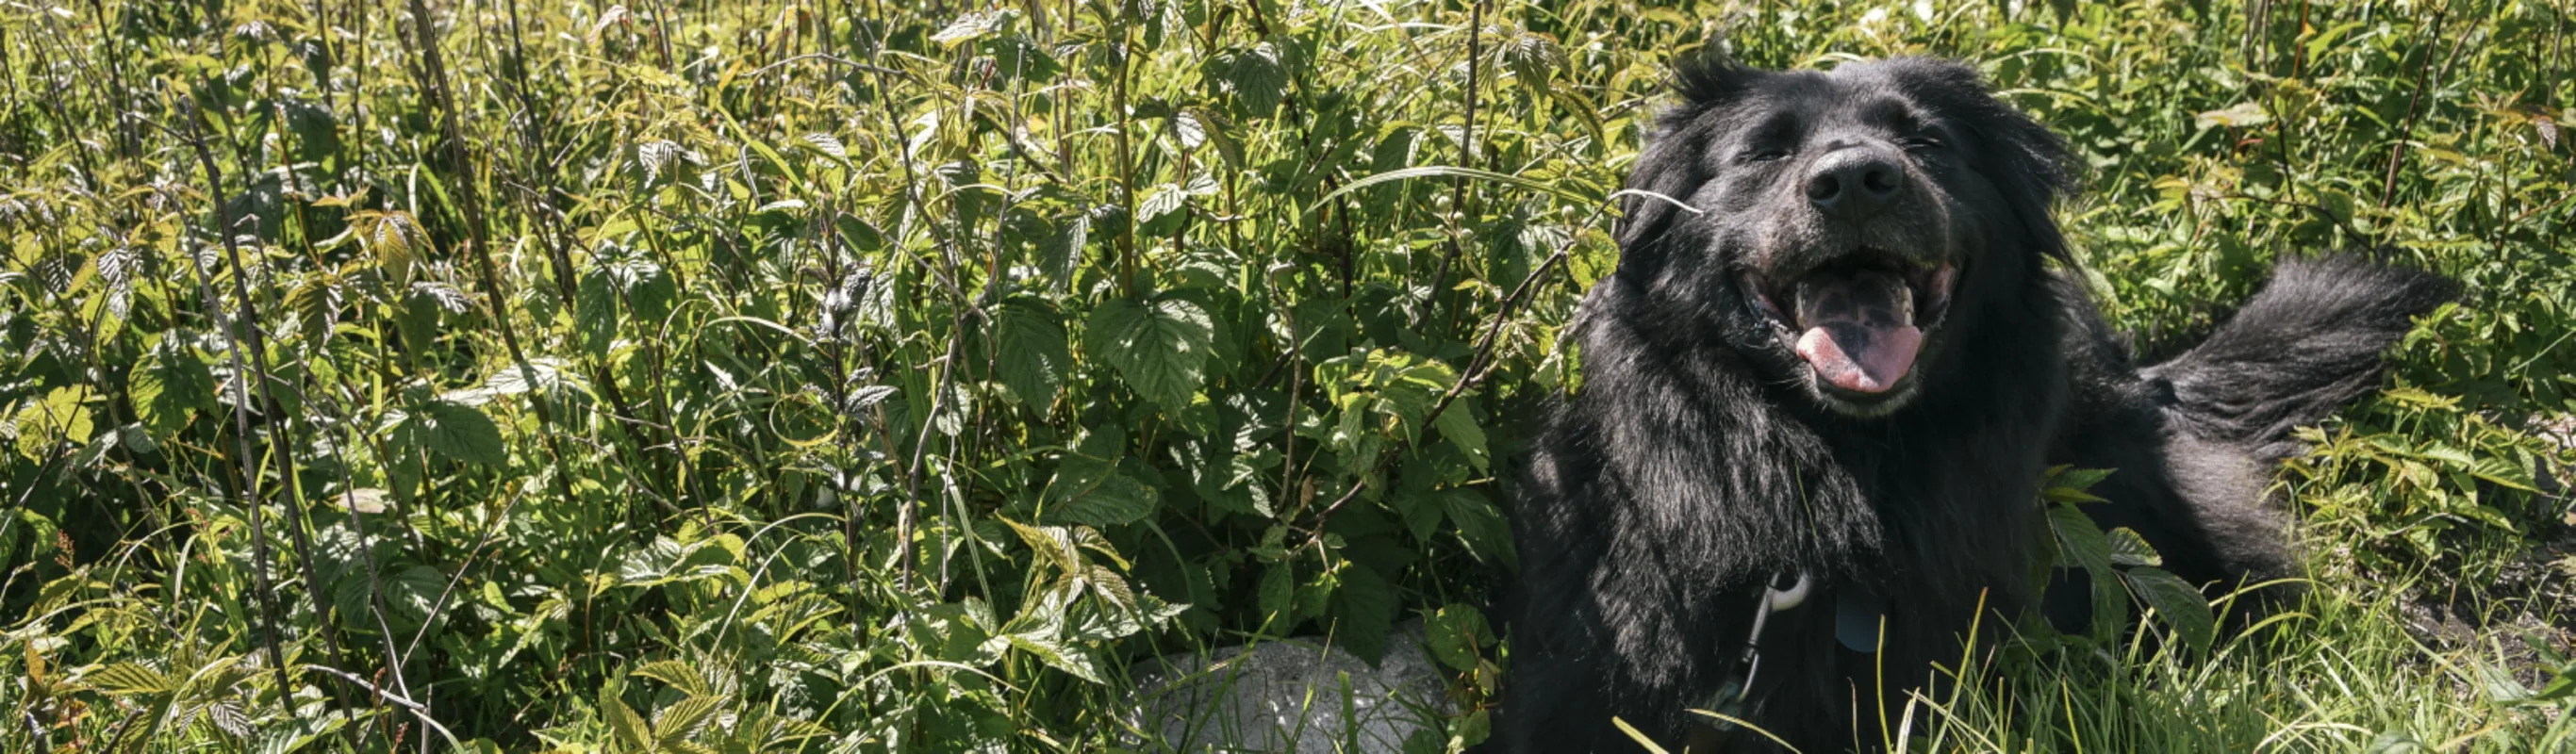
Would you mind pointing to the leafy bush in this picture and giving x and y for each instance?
(751, 375)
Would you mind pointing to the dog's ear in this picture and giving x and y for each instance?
(1673, 163)
(2027, 162)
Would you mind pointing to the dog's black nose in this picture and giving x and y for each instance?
(1854, 182)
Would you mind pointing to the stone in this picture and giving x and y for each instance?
(1290, 695)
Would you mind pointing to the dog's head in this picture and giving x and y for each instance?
(1839, 228)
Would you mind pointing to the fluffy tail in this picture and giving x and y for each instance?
(2308, 343)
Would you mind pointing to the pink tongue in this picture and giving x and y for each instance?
(1854, 356)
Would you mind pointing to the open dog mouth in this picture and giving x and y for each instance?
(1860, 319)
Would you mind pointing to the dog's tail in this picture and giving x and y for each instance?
(2308, 343)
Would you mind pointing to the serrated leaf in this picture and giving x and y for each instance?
(2080, 542)
(1094, 493)
(1216, 132)
(1534, 59)
(60, 417)
(1035, 355)
(1089, 489)
(650, 293)
(1480, 526)
(454, 431)
(1455, 634)
(2503, 472)
(1458, 425)
(623, 723)
(128, 678)
(2178, 601)
(1156, 214)
(1277, 592)
(2238, 115)
(973, 26)
(1056, 655)
(685, 719)
(1363, 608)
(1259, 78)
(2129, 549)
(594, 320)
(868, 396)
(2082, 479)
(1160, 347)
(171, 386)
(825, 143)
(1061, 253)
(553, 379)
(676, 673)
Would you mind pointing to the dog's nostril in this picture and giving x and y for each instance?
(1824, 187)
(1855, 183)
(1880, 180)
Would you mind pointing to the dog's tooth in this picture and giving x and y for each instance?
(1904, 302)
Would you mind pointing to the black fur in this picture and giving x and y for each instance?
(1703, 456)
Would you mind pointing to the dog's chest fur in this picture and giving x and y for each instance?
(1704, 485)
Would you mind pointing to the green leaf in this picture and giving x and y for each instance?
(128, 678)
(2065, 484)
(1161, 347)
(623, 723)
(1458, 424)
(170, 386)
(2129, 549)
(2080, 542)
(1057, 655)
(1457, 634)
(594, 319)
(1034, 354)
(1110, 499)
(1487, 535)
(1089, 489)
(1213, 130)
(2239, 114)
(973, 26)
(1160, 211)
(685, 719)
(650, 293)
(1534, 59)
(1277, 593)
(1259, 78)
(1363, 609)
(1059, 254)
(454, 431)
(676, 673)
(59, 418)
(2504, 472)
(2178, 601)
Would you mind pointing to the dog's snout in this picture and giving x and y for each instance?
(1854, 182)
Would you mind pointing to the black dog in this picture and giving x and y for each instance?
(1827, 374)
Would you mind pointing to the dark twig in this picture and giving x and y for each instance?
(2406, 128)
(245, 494)
(1466, 153)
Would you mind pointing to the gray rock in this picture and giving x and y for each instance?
(1292, 696)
